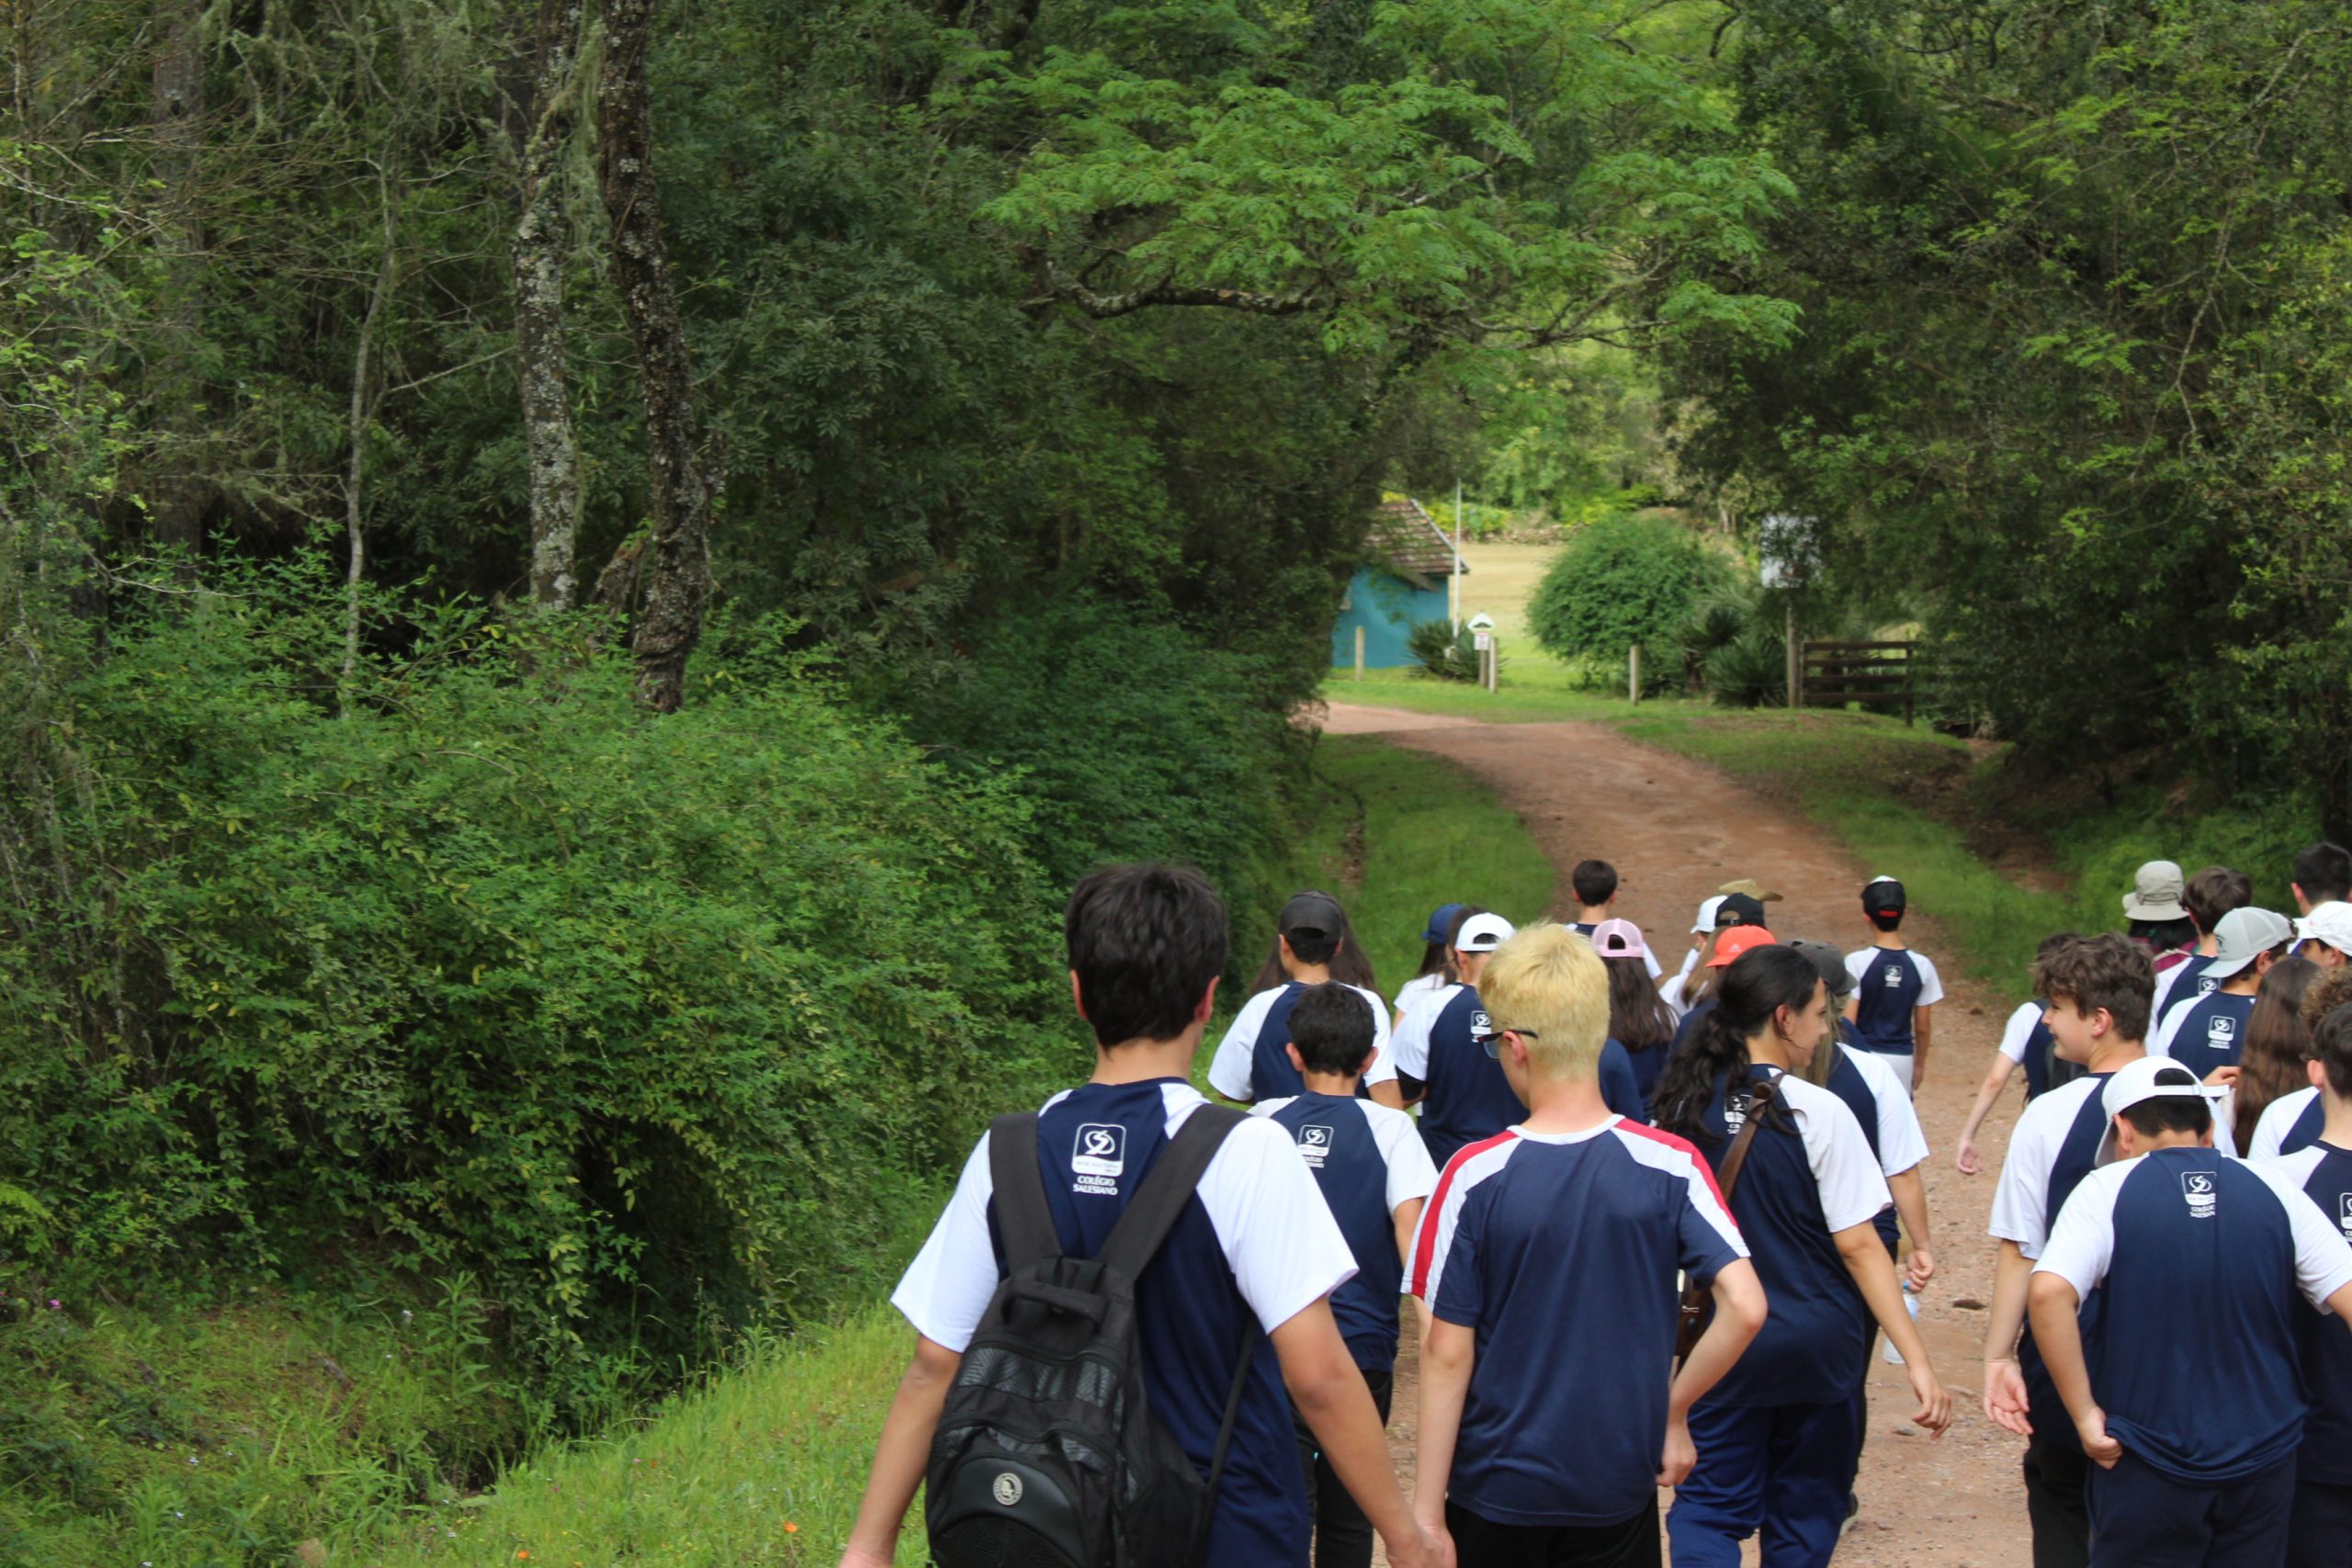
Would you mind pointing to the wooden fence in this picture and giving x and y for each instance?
(1879, 675)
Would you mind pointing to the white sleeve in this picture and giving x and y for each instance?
(1902, 1141)
(2323, 1259)
(1229, 1069)
(1268, 1106)
(1383, 1061)
(2082, 1243)
(1280, 1239)
(2162, 1044)
(1858, 964)
(1649, 962)
(2276, 1120)
(1410, 1044)
(2165, 978)
(1852, 1188)
(1671, 994)
(1411, 1174)
(1931, 985)
(2023, 1189)
(2224, 1106)
(2019, 1030)
(948, 1286)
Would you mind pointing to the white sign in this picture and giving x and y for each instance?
(1483, 641)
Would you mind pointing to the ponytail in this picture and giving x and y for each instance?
(1750, 991)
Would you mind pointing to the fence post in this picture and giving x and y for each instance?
(1634, 673)
(1359, 651)
(1796, 660)
(1494, 664)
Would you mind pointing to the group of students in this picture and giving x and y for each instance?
(2151, 1333)
(1590, 1145)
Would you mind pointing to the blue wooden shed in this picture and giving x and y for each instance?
(1400, 580)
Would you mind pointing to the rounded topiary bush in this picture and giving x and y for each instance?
(1623, 580)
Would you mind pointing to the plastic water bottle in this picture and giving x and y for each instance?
(1890, 1354)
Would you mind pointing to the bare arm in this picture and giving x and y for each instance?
(1911, 1202)
(901, 1458)
(1874, 1273)
(1385, 1092)
(2059, 1337)
(1336, 1404)
(2005, 1401)
(1740, 1310)
(1923, 1030)
(1853, 1010)
(1446, 1359)
(2340, 1304)
(1988, 1094)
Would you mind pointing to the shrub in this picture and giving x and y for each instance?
(1623, 580)
(1445, 652)
(651, 1024)
(1750, 671)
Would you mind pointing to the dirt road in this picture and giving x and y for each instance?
(1677, 830)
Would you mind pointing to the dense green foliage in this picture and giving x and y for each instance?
(1443, 650)
(1629, 579)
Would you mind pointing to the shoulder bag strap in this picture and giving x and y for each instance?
(1023, 1220)
(1152, 1213)
(1694, 1297)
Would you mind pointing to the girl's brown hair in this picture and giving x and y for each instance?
(2278, 1043)
(1349, 965)
(1639, 1018)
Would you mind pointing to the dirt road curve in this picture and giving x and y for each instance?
(1676, 831)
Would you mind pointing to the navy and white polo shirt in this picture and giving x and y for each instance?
(2025, 1040)
(2197, 1262)
(1468, 1098)
(2184, 983)
(2324, 1173)
(1369, 1161)
(2054, 1146)
(1888, 983)
(2209, 1032)
(1256, 1241)
(1250, 1063)
(1804, 1182)
(2289, 1124)
(1883, 1108)
(1560, 1251)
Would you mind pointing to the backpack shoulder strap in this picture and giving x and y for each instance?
(1023, 1219)
(1152, 1213)
(1759, 1101)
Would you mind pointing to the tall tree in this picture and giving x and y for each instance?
(542, 235)
(670, 622)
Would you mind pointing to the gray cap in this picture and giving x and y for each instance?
(1830, 959)
(2242, 935)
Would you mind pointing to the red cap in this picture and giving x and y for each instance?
(1739, 940)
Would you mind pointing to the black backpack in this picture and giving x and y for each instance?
(1047, 1454)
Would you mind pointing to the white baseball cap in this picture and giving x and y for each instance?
(1707, 915)
(2243, 935)
(2330, 922)
(2149, 1078)
(1483, 933)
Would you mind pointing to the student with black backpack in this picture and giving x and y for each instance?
(1117, 1296)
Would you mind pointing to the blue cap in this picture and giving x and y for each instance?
(1440, 924)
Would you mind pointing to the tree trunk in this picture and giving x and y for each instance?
(362, 408)
(541, 237)
(671, 623)
(177, 497)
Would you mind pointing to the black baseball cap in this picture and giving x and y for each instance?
(1883, 894)
(1738, 909)
(1831, 962)
(1316, 913)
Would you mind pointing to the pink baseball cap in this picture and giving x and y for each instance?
(1618, 938)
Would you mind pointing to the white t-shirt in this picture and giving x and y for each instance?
(1902, 1141)
(1279, 1239)
(1419, 986)
(1410, 1046)
(2082, 1245)
(2034, 1146)
(2018, 1031)
(2278, 1118)
(1399, 1138)
(1230, 1068)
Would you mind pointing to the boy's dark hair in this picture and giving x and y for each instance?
(1885, 919)
(1332, 1028)
(1319, 947)
(2214, 892)
(2170, 1113)
(2324, 872)
(2331, 1049)
(2105, 971)
(2054, 943)
(2332, 989)
(1144, 940)
(1595, 881)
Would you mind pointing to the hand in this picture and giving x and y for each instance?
(1934, 1401)
(1920, 1269)
(2221, 1077)
(2004, 1400)
(1428, 1547)
(2092, 1428)
(1967, 1157)
(857, 1556)
(1919, 1075)
(1675, 1463)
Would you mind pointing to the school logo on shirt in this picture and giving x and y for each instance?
(2221, 1033)
(1100, 1157)
(2197, 1186)
(1480, 1024)
(2206, 985)
(2346, 1217)
(1314, 1142)
(1894, 976)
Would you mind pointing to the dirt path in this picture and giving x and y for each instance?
(1677, 830)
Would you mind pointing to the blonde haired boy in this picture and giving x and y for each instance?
(1568, 1229)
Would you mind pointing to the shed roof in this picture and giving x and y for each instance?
(1406, 540)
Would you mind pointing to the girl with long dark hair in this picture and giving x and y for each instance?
(2272, 1065)
(1640, 1023)
(1777, 1437)
(1313, 945)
